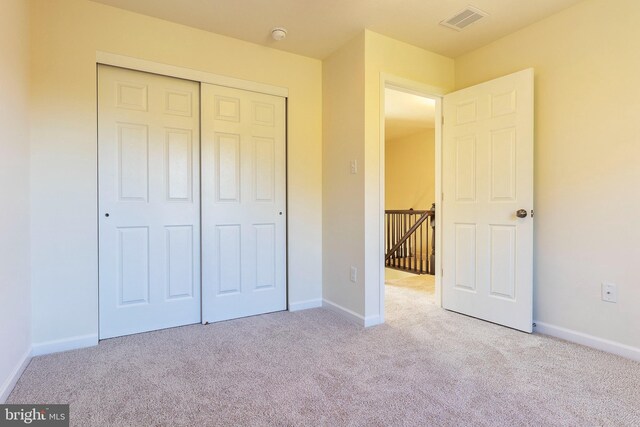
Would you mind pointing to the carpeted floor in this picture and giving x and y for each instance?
(424, 284)
(424, 367)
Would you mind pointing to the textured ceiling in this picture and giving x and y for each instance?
(318, 27)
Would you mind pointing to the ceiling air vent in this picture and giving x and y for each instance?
(464, 18)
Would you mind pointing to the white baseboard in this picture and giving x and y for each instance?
(10, 383)
(305, 305)
(623, 350)
(345, 312)
(351, 315)
(65, 344)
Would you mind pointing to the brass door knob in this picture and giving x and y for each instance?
(521, 213)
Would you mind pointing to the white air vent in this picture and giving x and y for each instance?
(464, 18)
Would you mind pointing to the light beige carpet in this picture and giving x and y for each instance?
(425, 367)
(424, 286)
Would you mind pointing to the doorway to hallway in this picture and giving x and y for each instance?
(409, 201)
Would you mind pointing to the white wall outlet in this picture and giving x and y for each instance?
(609, 292)
(354, 274)
(354, 167)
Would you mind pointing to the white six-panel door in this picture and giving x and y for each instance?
(149, 202)
(243, 203)
(487, 177)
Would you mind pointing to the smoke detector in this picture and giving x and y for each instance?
(464, 18)
(278, 33)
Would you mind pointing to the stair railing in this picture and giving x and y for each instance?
(407, 237)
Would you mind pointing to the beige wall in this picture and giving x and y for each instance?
(343, 192)
(15, 306)
(587, 152)
(66, 35)
(409, 171)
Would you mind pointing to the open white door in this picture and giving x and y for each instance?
(243, 203)
(487, 183)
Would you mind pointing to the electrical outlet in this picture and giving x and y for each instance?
(354, 167)
(354, 274)
(609, 292)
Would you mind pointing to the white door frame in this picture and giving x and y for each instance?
(388, 81)
(136, 64)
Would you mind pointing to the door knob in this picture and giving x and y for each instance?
(521, 213)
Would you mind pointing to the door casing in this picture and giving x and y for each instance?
(388, 81)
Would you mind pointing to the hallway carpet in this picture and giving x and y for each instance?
(424, 367)
(424, 284)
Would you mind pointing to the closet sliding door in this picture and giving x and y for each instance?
(149, 201)
(191, 227)
(243, 203)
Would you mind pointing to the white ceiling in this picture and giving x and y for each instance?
(318, 27)
(406, 114)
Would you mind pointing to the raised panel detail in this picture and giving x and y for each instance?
(178, 103)
(265, 255)
(179, 252)
(227, 108)
(263, 114)
(228, 167)
(466, 112)
(466, 169)
(503, 165)
(465, 256)
(179, 166)
(133, 265)
(131, 96)
(229, 263)
(503, 260)
(133, 162)
(504, 103)
(264, 163)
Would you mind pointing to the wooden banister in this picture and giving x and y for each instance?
(407, 235)
(407, 240)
